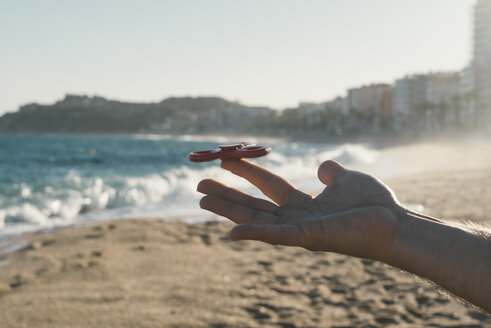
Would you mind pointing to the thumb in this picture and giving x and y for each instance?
(280, 234)
(329, 171)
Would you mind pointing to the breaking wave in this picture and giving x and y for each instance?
(102, 190)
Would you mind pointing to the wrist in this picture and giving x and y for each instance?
(453, 256)
(416, 237)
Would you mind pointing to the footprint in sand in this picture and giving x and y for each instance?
(238, 246)
(38, 244)
(218, 325)
(266, 264)
(478, 315)
(253, 272)
(339, 290)
(282, 280)
(94, 236)
(406, 318)
(447, 315)
(367, 262)
(18, 280)
(388, 301)
(386, 320)
(260, 313)
(93, 263)
(414, 311)
(388, 287)
(77, 265)
(286, 325)
(104, 227)
(340, 261)
(368, 282)
(96, 253)
(206, 239)
(423, 300)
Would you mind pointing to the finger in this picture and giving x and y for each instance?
(212, 187)
(329, 171)
(236, 212)
(273, 186)
(281, 234)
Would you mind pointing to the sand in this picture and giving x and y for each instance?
(149, 273)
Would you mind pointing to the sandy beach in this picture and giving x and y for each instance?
(149, 273)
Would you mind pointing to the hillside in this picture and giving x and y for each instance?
(83, 114)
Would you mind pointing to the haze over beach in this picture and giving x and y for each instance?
(101, 103)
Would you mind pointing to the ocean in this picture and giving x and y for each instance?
(48, 181)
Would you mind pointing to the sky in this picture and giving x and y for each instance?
(273, 53)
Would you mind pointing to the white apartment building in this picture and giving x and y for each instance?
(443, 99)
(482, 59)
(428, 100)
(409, 98)
(402, 98)
(443, 88)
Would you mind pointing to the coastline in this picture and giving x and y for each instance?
(385, 162)
(381, 140)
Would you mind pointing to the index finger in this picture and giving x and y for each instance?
(272, 185)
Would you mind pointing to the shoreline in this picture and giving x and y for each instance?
(384, 140)
(430, 157)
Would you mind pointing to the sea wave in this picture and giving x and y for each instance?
(170, 192)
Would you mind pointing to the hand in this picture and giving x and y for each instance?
(356, 214)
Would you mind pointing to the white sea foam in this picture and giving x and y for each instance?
(25, 213)
(170, 193)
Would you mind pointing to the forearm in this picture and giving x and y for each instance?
(456, 258)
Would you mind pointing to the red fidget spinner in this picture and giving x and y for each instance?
(237, 150)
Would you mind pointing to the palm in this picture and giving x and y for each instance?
(353, 213)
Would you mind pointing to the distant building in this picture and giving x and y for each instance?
(428, 100)
(401, 100)
(443, 99)
(308, 107)
(409, 99)
(467, 97)
(385, 108)
(370, 104)
(442, 88)
(482, 59)
(338, 104)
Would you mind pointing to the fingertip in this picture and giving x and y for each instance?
(234, 235)
(227, 164)
(223, 164)
(329, 171)
(203, 185)
(203, 203)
